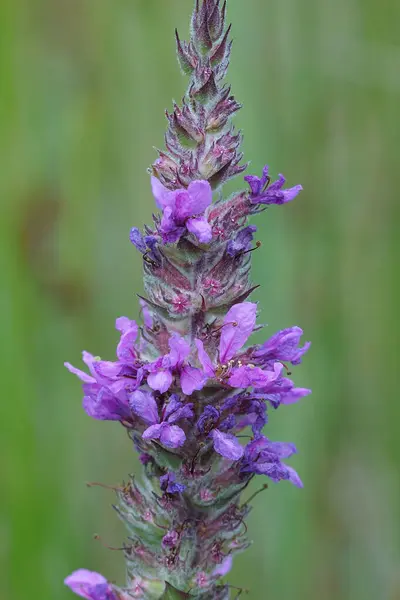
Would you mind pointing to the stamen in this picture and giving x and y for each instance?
(258, 245)
(264, 487)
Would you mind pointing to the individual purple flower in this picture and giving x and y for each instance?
(183, 210)
(242, 242)
(225, 444)
(170, 539)
(263, 457)
(169, 484)
(90, 585)
(264, 192)
(238, 325)
(105, 398)
(162, 371)
(146, 244)
(144, 406)
(283, 346)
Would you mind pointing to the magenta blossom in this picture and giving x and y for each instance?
(183, 210)
(144, 406)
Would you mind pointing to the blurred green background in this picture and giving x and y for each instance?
(83, 87)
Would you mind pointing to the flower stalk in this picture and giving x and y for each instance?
(185, 384)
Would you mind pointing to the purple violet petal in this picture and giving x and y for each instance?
(200, 228)
(160, 380)
(192, 379)
(144, 406)
(227, 445)
(204, 359)
(239, 323)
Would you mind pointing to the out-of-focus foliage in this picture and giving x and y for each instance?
(83, 86)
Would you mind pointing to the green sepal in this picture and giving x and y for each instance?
(171, 593)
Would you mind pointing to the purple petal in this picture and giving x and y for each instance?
(192, 379)
(194, 201)
(227, 445)
(180, 350)
(153, 432)
(137, 240)
(170, 230)
(283, 449)
(123, 324)
(294, 395)
(144, 406)
(243, 377)
(238, 326)
(160, 380)
(163, 196)
(224, 568)
(200, 228)
(99, 403)
(204, 359)
(291, 193)
(81, 374)
(294, 477)
(283, 345)
(183, 411)
(82, 582)
(172, 436)
(106, 369)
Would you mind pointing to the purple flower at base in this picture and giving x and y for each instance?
(263, 457)
(90, 585)
(169, 484)
(264, 192)
(242, 241)
(283, 346)
(183, 210)
(238, 325)
(144, 406)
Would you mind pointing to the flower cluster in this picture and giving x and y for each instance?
(191, 390)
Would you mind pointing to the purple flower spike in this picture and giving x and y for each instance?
(183, 210)
(186, 384)
(239, 324)
(90, 585)
(262, 192)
